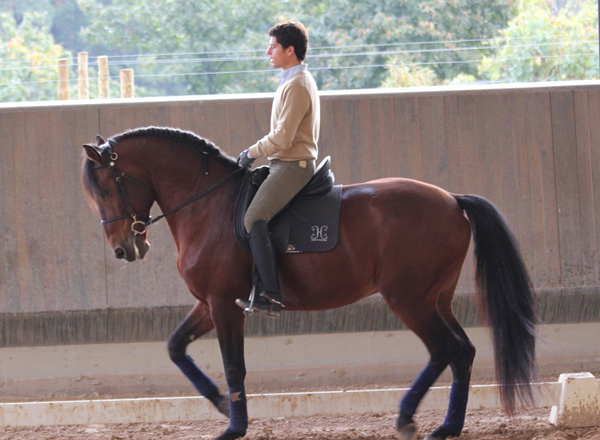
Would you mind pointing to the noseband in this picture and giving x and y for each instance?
(140, 223)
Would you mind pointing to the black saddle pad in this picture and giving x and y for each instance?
(309, 223)
(314, 222)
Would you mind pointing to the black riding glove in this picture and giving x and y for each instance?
(245, 160)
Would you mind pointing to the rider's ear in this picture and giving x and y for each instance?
(100, 140)
(93, 153)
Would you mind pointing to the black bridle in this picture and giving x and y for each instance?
(140, 223)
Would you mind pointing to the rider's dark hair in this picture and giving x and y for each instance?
(291, 33)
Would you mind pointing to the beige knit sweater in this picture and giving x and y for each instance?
(295, 122)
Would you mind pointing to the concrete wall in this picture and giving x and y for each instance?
(274, 363)
(530, 149)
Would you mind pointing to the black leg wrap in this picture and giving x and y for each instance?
(177, 345)
(230, 435)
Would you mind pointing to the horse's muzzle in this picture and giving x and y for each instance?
(135, 248)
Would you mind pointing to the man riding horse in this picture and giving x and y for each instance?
(291, 147)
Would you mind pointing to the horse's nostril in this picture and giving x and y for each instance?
(119, 253)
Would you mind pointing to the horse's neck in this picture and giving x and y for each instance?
(211, 211)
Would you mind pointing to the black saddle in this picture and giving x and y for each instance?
(309, 223)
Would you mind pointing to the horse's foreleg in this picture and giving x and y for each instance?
(197, 323)
(229, 323)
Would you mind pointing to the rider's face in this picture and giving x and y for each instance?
(280, 57)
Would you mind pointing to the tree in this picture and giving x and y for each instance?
(66, 24)
(444, 36)
(546, 42)
(196, 46)
(406, 75)
(18, 8)
(352, 42)
(29, 57)
(180, 47)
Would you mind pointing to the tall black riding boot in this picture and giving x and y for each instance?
(268, 301)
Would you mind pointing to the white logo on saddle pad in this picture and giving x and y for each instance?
(319, 233)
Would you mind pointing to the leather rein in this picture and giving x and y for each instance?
(140, 223)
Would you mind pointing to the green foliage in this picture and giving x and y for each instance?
(407, 75)
(462, 78)
(182, 47)
(28, 56)
(545, 44)
(18, 8)
(352, 41)
(209, 33)
(67, 23)
(407, 32)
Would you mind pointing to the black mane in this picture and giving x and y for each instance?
(185, 137)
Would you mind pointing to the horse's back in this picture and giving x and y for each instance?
(401, 199)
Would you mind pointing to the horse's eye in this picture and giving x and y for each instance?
(104, 193)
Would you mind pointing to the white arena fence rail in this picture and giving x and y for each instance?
(574, 401)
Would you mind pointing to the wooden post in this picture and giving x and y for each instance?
(103, 78)
(82, 74)
(127, 84)
(63, 78)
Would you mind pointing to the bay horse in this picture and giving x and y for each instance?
(402, 238)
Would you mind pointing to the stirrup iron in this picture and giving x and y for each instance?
(249, 310)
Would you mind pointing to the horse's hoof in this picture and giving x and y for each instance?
(439, 434)
(230, 435)
(408, 432)
(223, 406)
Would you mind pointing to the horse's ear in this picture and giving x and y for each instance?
(100, 140)
(93, 153)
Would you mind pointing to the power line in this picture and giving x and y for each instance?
(317, 56)
(363, 66)
(344, 47)
(563, 38)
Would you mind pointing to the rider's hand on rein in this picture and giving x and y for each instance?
(244, 160)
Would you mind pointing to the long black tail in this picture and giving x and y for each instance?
(507, 298)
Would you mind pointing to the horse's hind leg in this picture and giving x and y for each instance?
(197, 323)
(461, 373)
(443, 344)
